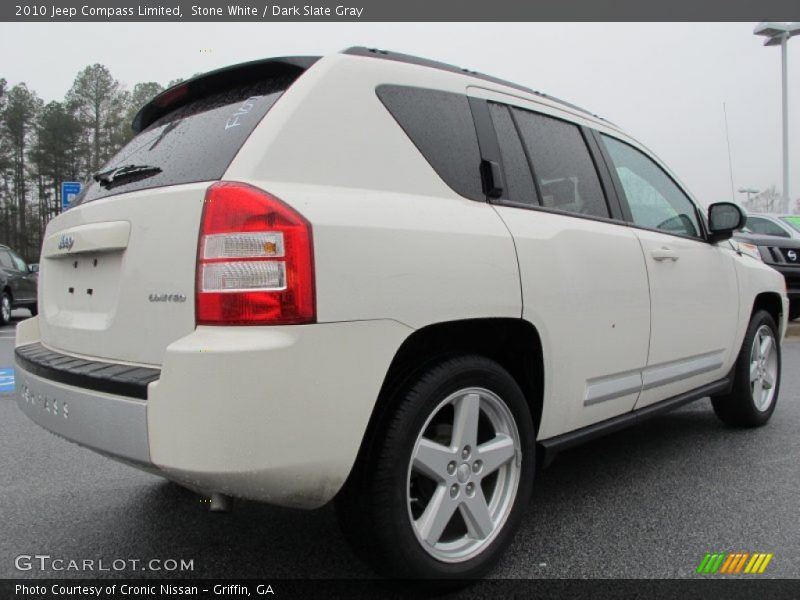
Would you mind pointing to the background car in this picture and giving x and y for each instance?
(782, 254)
(18, 284)
(786, 226)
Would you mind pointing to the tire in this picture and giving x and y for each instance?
(757, 376)
(34, 308)
(480, 473)
(5, 309)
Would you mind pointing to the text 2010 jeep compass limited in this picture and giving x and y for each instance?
(391, 282)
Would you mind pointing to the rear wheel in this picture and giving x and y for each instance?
(34, 308)
(757, 376)
(450, 478)
(5, 308)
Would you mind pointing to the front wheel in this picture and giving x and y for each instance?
(451, 477)
(757, 376)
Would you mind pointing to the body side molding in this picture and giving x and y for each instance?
(554, 445)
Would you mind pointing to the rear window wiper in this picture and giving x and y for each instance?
(118, 175)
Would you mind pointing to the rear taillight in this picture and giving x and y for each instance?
(255, 261)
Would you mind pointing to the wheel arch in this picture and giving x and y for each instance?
(770, 302)
(513, 343)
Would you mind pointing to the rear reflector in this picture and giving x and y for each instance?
(255, 262)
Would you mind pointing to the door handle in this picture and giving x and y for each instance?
(664, 253)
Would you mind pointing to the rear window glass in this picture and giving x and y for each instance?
(440, 125)
(195, 142)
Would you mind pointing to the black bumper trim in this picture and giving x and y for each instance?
(112, 378)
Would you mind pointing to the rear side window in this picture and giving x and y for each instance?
(515, 166)
(195, 142)
(440, 125)
(563, 168)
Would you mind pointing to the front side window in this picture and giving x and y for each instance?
(565, 173)
(656, 202)
(19, 264)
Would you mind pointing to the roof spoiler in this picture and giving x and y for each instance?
(214, 81)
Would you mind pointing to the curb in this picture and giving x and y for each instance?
(793, 331)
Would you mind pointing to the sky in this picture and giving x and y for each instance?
(663, 83)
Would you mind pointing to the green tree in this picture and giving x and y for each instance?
(21, 107)
(142, 94)
(98, 102)
(55, 156)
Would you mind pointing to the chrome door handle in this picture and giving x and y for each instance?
(664, 253)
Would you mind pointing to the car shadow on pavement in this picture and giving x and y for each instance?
(112, 512)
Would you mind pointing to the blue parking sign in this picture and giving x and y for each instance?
(6, 380)
(69, 189)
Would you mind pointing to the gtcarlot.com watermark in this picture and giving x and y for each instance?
(46, 562)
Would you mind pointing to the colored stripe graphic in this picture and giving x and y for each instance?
(734, 562)
(741, 561)
(729, 562)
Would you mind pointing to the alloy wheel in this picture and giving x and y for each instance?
(463, 474)
(763, 368)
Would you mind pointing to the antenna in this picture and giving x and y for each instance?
(728, 140)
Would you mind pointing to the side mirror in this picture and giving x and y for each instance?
(33, 268)
(723, 219)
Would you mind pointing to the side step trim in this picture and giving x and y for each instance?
(552, 446)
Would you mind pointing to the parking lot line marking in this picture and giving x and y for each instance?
(7, 380)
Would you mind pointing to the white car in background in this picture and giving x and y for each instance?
(390, 282)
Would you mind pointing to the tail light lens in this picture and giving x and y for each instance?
(255, 261)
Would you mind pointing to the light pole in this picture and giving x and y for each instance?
(748, 191)
(779, 33)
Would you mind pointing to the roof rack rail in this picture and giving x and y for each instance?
(434, 64)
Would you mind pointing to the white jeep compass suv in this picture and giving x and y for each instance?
(390, 282)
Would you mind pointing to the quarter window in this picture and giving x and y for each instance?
(656, 202)
(440, 125)
(562, 166)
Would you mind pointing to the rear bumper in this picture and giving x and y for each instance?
(275, 414)
(113, 425)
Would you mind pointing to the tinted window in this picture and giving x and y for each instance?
(196, 142)
(656, 202)
(440, 125)
(5, 259)
(765, 227)
(562, 165)
(519, 182)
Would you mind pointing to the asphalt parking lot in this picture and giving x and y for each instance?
(648, 502)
